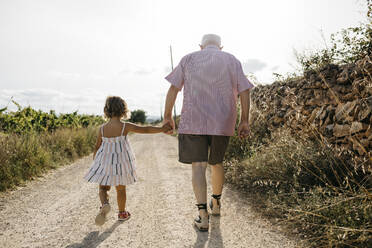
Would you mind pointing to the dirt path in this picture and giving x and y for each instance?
(59, 209)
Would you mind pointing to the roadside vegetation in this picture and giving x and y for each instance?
(33, 141)
(138, 116)
(302, 181)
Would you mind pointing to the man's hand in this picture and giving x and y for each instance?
(169, 121)
(166, 127)
(169, 103)
(243, 129)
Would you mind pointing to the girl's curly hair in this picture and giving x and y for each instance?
(115, 106)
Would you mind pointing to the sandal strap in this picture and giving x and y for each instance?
(201, 206)
(124, 213)
(217, 197)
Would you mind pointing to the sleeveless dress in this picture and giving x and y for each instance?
(114, 163)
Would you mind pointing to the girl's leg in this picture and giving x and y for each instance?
(121, 193)
(105, 209)
(103, 195)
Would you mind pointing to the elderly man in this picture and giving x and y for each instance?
(212, 80)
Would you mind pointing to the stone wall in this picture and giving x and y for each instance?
(333, 104)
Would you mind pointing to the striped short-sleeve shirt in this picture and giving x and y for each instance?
(211, 80)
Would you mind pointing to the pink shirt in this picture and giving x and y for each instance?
(212, 80)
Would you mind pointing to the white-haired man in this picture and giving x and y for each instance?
(212, 80)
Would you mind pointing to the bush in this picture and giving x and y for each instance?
(138, 116)
(24, 157)
(30, 120)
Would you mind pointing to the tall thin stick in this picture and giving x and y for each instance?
(161, 109)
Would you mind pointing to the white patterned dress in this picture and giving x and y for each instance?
(114, 163)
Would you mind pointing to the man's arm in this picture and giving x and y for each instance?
(169, 103)
(245, 103)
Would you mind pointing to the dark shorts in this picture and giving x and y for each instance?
(194, 148)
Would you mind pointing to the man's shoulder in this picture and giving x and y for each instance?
(185, 58)
(201, 52)
(228, 56)
(231, 56)
(195, 53)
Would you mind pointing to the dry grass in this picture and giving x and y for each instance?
(23, 157)
(304, 185)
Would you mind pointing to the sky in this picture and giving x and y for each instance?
(70, 55)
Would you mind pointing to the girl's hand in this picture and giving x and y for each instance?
(166, 127)
(169, 120)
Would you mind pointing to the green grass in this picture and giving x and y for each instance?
(24, 157)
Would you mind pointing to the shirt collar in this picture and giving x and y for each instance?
(211, 47)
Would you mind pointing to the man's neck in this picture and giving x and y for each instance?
(211, 46)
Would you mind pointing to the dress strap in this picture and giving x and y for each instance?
(122, 130)
(102, 130)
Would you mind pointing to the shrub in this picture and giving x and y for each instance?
(30, 120)
(138, 116)
(23, 157)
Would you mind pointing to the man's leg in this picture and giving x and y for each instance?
(217, 151)
(218, 179)
(195, 148)
(199, 184)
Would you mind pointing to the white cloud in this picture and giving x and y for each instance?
(64, 75)
(90, 101)
(167, 69)
(144, 71)
(274, 68)
(138, 71)
(86, 101)
(253, 65)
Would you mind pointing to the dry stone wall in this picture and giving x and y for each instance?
(333, 104)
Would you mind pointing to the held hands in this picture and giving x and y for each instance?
(243, 130)
(166, 127)
(168, 121)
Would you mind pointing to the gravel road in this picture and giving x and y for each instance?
(58, 210)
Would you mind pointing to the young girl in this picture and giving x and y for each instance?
(114, 162)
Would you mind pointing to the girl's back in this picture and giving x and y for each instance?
(113, 129)
(114, 162)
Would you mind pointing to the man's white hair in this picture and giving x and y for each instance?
(211, 39)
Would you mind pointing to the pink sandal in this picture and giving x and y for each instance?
(123, 216)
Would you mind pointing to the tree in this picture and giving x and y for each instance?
(138, 116)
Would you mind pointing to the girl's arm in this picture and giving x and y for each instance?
(98, 142)
(130, 127)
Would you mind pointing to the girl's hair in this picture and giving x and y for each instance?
(115, 106)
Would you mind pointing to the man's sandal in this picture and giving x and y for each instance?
(216, 210)
(202, 223)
